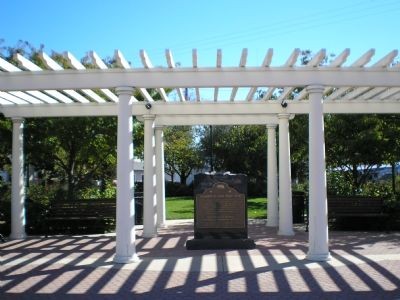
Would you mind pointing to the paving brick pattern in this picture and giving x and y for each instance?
(364, 265)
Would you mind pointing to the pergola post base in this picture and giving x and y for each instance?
(318, 256)
(126, 259)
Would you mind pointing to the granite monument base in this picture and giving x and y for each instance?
(215, 244)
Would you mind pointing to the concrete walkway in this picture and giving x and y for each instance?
(364, 265)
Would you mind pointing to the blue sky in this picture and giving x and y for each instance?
(102, 26)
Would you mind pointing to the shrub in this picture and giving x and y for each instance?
(337, 184)
(109, 190)
(175, 189)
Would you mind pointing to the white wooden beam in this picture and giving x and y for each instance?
(148, 65)
(268, 58)
(171, 65)
(359, 63)
(317, 59)
(364, 59)
(372, 93)
(242, 64)
(385, 61)
(340, 59)
(53, 65)
(173, 109)
(337, 62)
(26, 97)
(4, 102)
(122, 62)
(98, 62)
(355, 93)
(292, 58)
(200, 77)
(218, 65)
(266, 63)
(5, 65)
(314, 62)
(291, 61)
(42, 96)
(195, 65)
(74, 63)
(389, 93)
(30, 66)
(12, 98)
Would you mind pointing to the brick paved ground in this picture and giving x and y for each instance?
(364, 265)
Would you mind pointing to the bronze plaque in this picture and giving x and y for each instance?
(220, 207)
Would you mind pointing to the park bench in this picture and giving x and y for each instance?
(342, 208)
(356, 206)
(2, 222)
(85, 214)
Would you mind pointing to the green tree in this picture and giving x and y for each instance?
(354, 144)
(181, 152)
(5, 142)
(238, 149)
(391, 142)
(74, 150)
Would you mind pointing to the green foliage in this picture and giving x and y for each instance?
(337, 184)
(38, 200)
(108, 190)
(354, 143)
(5, 144)
(181, 154)
(176, 189)
(299, 147)
(73, 150)
(5, 207)
(237, 149)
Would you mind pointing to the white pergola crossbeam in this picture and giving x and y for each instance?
(266, 63)
(195, 65)
(171, 65)
(5, 65)
(148, 65)
(98, 62)
(53, 65)
(337, 62)
(122, 62)
(385, 61)
(242, 64)
(289, 64)
(12, 98)
(218, 65)
(76, 64)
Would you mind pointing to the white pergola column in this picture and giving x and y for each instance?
(272, 178)
(125, 225)
(285, 184)
(149, 188)
(17, 185)
(318, 224)
(160, 177)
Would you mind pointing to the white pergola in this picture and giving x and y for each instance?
(28, 91)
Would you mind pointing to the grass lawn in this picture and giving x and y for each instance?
(183, 208)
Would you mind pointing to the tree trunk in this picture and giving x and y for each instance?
(393, 177)
(355, 179)
(183, 178)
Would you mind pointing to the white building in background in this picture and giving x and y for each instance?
(138, 169)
